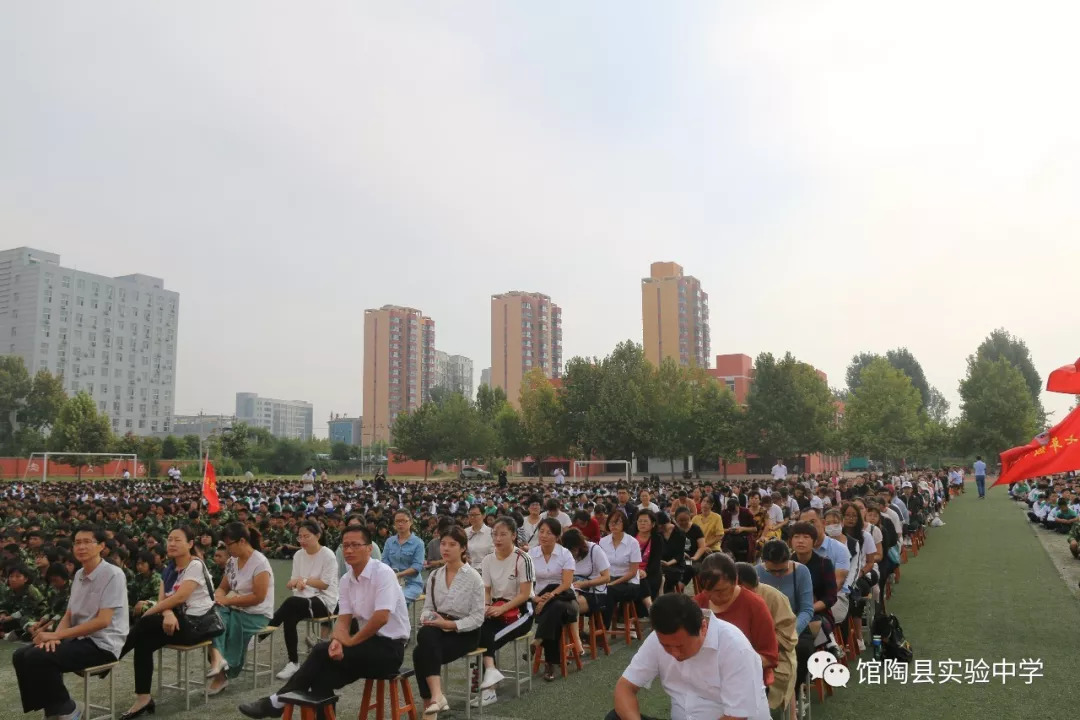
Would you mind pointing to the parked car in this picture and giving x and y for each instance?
(473, 473)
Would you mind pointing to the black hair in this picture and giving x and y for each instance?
(675, 611)
(616, 513)
(776, 551)
(311, 526)
(574, 541)
(713, 568)
(553, 525)
(236, 531)
(804, 528)
(362, 529)
(57, 569)
(97, 532)
(508, 522)
(552, 504)
(457, 535)
(147, 557)
(747, 575)
(683, 509)
(357, 517)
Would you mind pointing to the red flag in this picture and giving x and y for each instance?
(209, 489)
(1055, 451)
(1066, 379)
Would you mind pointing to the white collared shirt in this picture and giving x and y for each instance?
(480, 545)
(723, 678)
(376, 589)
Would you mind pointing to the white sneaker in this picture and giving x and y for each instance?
(486, 698)
(492, 677)
(862, 646)
(288, 671)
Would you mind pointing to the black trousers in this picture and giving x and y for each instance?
(291, 612)
(549, 624)
(804, 648)
(41, 674)
(434, 648)
(624, 592)
(376, 657)
(495, 632)
(145, 638)
(615, 716)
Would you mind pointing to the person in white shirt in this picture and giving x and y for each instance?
(528, 533)
(624, 557)
(370, 594)
(645, 501)
(246, 597)
(314, 585)
(553, 597)
(779, 470)
(560, 476)
(159, 625)
(554, 511)
(479, 537)
(706, 666)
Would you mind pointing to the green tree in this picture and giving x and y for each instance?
(511, 441)
(996, 406)
(902, 359)
(339, 452)
(172, 448)
(28, 407)
(937, 440)
(938, 407)
(881, 419)
(789, 409)
(1001, 344)
(715, 427)
(80, 429)
(542, 417)
(672, 414)
(416, 435)
(234, 442)
(489, 402)
(621, 422)
(580, 396)
(462, 432)
(192, 446)
(855, 368)
(15, 385)
(150, 452)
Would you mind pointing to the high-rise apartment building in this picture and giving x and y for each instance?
(291, 419)
(674, 316)
(399, 366)
(454, 372)
(526, 333)
(111, 337)
(485, 376)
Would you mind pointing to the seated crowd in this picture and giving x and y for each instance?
(1054, 503)
(96, 572)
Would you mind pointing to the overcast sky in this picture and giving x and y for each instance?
(841, 176)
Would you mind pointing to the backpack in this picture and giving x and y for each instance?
(893, 644)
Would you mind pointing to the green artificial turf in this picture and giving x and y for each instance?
(982, 588)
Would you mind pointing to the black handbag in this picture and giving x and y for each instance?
(196, 628)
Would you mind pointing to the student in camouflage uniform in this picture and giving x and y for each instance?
(217, 566)
(21, 606)
(145, 589)
(57, 592)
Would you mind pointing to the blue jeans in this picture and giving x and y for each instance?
(980, 483)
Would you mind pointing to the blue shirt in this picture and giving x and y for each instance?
(802, 602)
(404, 555)
(837, 552)
(980, 468)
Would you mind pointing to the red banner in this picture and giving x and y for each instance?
(1065, 379)
(1055, 451)
(209, 489)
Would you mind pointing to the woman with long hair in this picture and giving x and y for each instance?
(451, 619)
(246, 597)
(554, 601)
(624, 554)
(591, 574)
(169, 620)
(314, 585)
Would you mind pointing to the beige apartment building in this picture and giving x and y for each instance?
(399, 366)
(526, 333)
(674, 316)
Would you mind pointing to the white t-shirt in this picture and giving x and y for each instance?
(480, 545)
(592, 566)
(563, 518)
(531, 532)
(322, 565)
(505, 576)
(242, 582)
(776, 514)
(549, 570)
(622, 556)
(779, 471)
(200, 601)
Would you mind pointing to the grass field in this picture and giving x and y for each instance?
(982, 588)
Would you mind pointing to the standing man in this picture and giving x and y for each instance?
(706, 666)
(91, 633)
(980, 476)
(369, 594)
(779, 470)
(559, 475)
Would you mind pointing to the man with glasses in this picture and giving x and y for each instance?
(91, 633)
(480, 543)
(369, 593)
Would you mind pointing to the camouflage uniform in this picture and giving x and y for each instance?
(56, 602)
(1074, 531)
(144, 587)
(24, 609)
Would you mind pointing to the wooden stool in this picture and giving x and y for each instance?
(853, 637)
(101, 671)
(309, 706)
(565, 643)
(398, 682)
(629, 614)
(253, 665)
(183, 671)
(597, 633)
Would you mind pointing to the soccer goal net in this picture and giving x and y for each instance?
(94, 466)
(588, 468)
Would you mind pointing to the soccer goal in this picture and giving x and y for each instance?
(97, 466)
(603, 463)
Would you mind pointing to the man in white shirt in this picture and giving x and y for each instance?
(980, 476)
(706, 666)
(779, 470)
(560, 476)
(369, 594)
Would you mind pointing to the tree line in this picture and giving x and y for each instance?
(623, 406)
